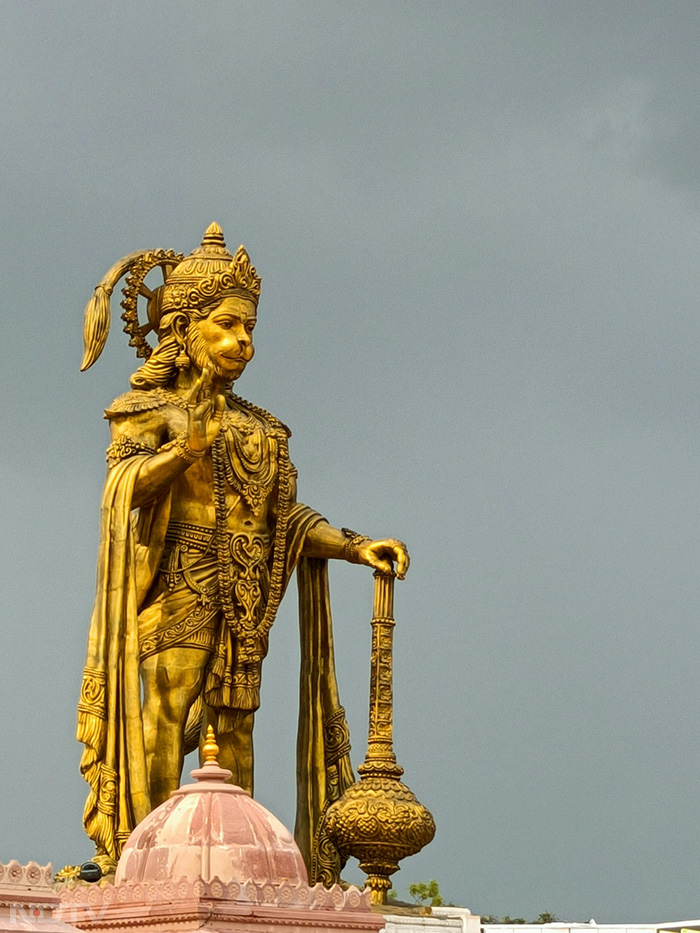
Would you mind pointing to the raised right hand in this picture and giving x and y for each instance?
(204, 413)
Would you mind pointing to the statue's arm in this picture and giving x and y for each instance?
(138, 419)
(323, 540)
(145, 433)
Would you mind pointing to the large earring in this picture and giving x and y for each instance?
(182, 360)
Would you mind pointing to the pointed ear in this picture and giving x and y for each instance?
(178, 326)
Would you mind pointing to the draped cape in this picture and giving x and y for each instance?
(109, 710)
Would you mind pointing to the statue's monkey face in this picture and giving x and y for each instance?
(224, 338)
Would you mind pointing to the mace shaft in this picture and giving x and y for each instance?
(380, 745)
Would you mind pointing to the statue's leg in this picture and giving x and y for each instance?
(172, 680)
(235, 745)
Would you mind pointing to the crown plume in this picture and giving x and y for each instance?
(95, 326)
(97, 311)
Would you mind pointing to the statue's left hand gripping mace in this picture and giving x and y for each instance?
(378, 820)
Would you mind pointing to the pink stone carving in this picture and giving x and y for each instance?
(213, 860)
(28, 900)
(209, 829)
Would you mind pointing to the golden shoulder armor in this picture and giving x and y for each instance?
(138, 400)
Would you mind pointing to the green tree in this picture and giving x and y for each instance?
(508, 919)
(426, 893)
(546, 917)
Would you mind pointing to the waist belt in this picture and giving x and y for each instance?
(197, 536)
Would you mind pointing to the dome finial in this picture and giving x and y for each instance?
(210, 750)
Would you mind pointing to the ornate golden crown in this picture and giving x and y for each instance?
(210, 272)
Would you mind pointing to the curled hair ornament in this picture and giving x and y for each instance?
(136, 267)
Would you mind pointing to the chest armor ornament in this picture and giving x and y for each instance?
(249, 458)
(250, 455)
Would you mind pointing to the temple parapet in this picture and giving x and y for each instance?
(185, 905)
(16, 879)
(216, 892)
(28, 901)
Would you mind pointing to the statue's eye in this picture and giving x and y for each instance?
(226, 323)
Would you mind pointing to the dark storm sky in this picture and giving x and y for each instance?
(478, 225)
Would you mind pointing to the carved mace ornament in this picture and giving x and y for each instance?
(379, 820)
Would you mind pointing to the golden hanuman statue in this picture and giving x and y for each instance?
(200, 533)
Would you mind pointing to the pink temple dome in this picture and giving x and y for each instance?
(209, 830)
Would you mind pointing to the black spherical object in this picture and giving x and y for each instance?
(90, 871)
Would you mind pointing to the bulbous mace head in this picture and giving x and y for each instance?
(379, 821)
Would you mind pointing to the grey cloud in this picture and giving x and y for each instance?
(477, 227)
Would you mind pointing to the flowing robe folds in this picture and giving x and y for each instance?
(109, 711)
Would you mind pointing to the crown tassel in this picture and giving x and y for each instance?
(95, 326)
(97, 310)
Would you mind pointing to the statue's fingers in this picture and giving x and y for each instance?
(403, 562)
(385, 544)
(205, 382)
(389, 545)
(383, 566)
(219, 404)
(192, 394)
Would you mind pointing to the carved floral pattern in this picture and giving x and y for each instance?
(36, 876)
(281, 894)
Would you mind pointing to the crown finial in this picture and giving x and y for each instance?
(210, 749)
(213, 236)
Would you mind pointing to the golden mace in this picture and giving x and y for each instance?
(379, 820)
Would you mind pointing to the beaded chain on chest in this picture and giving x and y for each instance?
(246, 420)
(249, 453)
